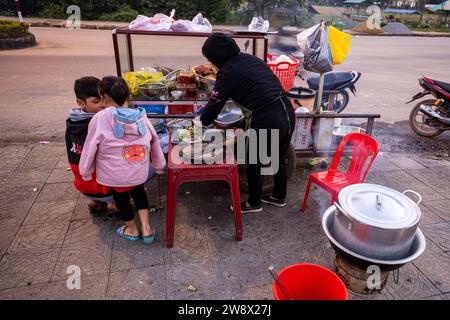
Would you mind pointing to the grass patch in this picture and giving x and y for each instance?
(431, 29)
(13, 29)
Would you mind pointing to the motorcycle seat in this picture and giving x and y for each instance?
(443, 85)
(331, 81)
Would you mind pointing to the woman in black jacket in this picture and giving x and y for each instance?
(251, 84)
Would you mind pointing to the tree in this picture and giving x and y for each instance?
(263, 8)
(293, 7)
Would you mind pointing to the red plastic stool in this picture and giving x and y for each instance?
(179, 173)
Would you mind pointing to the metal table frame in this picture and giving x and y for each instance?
(129, 33)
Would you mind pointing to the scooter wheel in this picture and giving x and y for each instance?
(417, 120)
(340, 101)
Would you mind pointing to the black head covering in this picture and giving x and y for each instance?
(218, 48)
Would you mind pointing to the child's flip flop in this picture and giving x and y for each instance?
(149, 239)
(121, 233)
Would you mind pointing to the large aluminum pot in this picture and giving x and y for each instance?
(376, 221)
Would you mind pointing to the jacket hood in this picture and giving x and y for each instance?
(218, 48)
(76, 114)
(128, 121)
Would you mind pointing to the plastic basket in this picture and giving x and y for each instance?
(180, 108)
(153, 108)
(285, 71)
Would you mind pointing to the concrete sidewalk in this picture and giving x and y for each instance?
(46, 228)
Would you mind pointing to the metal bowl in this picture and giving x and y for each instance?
(152, 90)
(230, 116)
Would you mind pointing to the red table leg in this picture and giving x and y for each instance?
(236, 197)
(171, 203)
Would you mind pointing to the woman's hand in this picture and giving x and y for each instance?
(197, 122)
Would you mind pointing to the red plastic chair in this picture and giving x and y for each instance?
(333, 180)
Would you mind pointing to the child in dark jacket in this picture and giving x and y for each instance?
(88, 101)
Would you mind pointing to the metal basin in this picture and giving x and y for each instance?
(417, 248)
(152, 90)
(230, 116)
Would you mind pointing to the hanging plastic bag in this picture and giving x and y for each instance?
(159, 22)
(201, 24)
(340, 44)
(258, 24)
(318, 57)
(302, 37)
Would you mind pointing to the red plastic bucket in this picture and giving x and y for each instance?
(310, 282)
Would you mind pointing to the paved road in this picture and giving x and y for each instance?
(36, 83)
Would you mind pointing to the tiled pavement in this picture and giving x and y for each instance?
(46, 227)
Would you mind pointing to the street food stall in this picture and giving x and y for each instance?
(172, 97)
(309, 139)
(179, 91)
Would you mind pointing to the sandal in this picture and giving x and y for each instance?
(149, 239)
(121, 233)
(98, 208)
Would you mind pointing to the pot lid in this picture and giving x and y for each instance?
(379, 206)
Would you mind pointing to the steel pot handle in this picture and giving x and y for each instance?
(340, 210)
(415, 193)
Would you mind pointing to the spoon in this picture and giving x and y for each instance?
(280, 284)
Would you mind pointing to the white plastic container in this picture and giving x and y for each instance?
(323, 133)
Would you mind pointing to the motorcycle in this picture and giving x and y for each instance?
(335, 84)
(431, 117)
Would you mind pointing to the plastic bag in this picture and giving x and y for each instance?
(318, 57)
(282, 58)
(136, 78)
(302, 37)
(259, 24)
(340, 44)
(159, 22)
(201, 24)
(182, 26)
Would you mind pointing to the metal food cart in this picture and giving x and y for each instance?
(124, 58)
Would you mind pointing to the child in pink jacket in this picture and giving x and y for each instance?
(120, 145)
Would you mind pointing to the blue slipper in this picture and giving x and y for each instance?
(121, 233)
(149, 239)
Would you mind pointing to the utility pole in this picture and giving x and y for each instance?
(19, 12)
